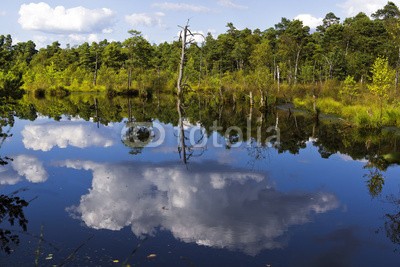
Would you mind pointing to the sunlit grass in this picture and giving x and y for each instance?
(363, 112)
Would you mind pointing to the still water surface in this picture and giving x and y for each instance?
(326, 195)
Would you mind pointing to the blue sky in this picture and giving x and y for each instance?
(74, 22)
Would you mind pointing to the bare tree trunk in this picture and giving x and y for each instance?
(182, 144)
(262, 98)
(95, 70)
(200, 67)
(96, 106)
(320, 76)
(397, 73)
(158, 87)
(314, 103)
(129, 78)
(313, 72)
(296, 66)
(182, 62)
(130, 114)
(330, 64)
(278, 74)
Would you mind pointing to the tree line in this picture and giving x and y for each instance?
(288, 54)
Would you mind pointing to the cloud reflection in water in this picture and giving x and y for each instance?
(210, 204)
(23, 166)
(62, 134)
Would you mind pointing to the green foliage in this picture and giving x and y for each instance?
(10, 84)
(382, 78)
(303, 103)
(336, 50)
(329, 106)
(349, 91)
(335, 63)
(260, 78)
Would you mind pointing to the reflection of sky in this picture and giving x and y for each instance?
(62, 134)
(216, 205)
(23, 166)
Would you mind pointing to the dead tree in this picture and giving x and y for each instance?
(187, 39)
(183, 38)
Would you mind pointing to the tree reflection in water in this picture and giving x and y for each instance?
(11, 206)
(392, 221)
(11, 211)
(375, 182)
(392, 227)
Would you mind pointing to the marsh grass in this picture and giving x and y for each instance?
(363, 112)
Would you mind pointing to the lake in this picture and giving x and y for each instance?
(212, 183)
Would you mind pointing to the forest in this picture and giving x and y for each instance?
(347, 67)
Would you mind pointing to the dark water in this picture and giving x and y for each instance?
(108, 184)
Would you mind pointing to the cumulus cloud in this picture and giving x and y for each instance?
(145, 19)
(309, 20)
(41, 40)
(345, 157)
(218, 207)
(31, 168)
(42, 17)
(181, 7)
(353, 7)
(62, 134)
(198, 37)
(231, 4)
(8, 176)
(23, 166)
(72, 39)
(81, 38)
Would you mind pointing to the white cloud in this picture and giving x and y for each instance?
(231, 4)
(309, 20)
(107, 31)
(30, 167)
(8, 176)
(218, 207)
(41, 40)
(23, 166)
(2, 13)
(345, 157)
(145, 19)
(15, 40)
(198, 37)
(81, 38)
(62, 134)
(181, 7)
(353, 7)
(42, 17)
(71, 39)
